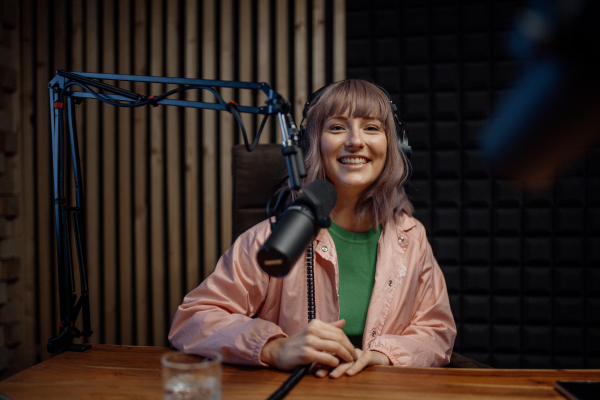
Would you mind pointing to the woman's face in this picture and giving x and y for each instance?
(353, 152)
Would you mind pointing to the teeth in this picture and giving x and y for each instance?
(354, 161)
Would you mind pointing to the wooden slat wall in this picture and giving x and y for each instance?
(174, 170)
(158, 132)
(24, 167)
(192, 153)
(157, 181)
(209, 149)
(141, 214)
(46, 266)
(125, 193)
(109, 189)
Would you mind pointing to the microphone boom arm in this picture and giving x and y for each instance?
(63, 96)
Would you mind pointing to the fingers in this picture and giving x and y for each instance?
(331, 344)
(342, 339)
(329, 337)
(319, 342)
(349, 368)
(321, 371)
(342, 369)
(364, 360)
(323, 358)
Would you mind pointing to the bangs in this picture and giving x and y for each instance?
(358, 99)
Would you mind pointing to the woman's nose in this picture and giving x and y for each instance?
(355, 138)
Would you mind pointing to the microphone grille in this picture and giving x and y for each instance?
(325, 192)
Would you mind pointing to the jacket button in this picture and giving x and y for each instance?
(390, 283)
(324, 248)
(374, 333)
(401, 239)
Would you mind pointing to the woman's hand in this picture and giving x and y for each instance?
(318, 342)
(365, 358)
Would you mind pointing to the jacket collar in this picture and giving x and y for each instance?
(403, 223)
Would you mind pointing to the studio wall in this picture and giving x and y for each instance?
(522, 266)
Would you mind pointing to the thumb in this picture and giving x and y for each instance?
(339, 324)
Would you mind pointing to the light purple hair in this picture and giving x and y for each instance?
(362, 99)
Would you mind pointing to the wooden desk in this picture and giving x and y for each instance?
(128, 372)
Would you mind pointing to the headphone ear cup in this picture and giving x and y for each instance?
(303, 137)
(303, 140)
(403, 145)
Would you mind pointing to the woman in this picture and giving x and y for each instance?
(377, 284)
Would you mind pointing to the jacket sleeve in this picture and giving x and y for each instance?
(218, 314)
(429, 338)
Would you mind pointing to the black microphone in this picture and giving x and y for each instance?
(296, 229)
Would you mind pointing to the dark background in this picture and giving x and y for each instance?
(521, 266)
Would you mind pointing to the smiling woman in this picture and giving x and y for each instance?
(381, 297)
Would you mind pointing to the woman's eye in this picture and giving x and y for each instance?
(336, 128)
(373, 128)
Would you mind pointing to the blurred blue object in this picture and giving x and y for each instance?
(553, 112)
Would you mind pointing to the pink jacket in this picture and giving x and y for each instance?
(238, 308)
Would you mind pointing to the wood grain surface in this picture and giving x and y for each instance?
(128, 372)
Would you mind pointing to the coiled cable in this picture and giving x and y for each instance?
(302, 370)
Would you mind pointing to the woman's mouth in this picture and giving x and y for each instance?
(353, 160)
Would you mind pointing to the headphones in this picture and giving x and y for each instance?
(401, 136)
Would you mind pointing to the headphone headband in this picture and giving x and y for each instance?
(312, 100)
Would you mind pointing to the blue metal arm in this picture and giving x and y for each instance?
(63, 96)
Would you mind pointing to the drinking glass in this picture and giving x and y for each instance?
(189, 376)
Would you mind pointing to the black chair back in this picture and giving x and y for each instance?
(255, 176)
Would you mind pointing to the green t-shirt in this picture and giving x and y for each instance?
(357, 257)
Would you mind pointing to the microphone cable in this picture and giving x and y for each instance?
(153, 100)
(302, 370)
